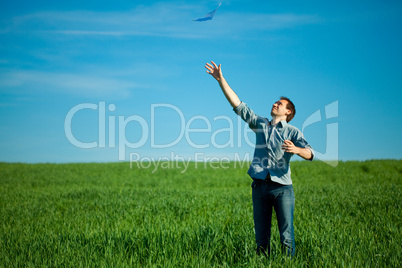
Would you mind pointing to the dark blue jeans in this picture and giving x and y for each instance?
(268, 195)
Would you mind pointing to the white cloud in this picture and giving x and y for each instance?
(68, 83)
(161, 19)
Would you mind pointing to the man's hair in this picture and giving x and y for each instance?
(291, 107)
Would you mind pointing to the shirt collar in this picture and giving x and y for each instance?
(282, 123)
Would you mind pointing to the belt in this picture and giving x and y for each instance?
(269, 181)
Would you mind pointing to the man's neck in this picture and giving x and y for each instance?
(275, 120)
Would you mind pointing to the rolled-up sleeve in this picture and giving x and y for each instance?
(301, 142)
(246, 114)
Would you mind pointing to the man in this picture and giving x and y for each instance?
(276, 142)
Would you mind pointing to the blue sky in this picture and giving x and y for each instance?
(131, 56)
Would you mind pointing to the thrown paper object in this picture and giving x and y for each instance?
(210, 15)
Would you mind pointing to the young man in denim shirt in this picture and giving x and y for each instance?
(276, 142)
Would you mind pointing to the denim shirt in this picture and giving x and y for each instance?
(269, 157)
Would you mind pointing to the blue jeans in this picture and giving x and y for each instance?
(268, 195)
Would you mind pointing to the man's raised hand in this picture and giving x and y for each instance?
(214, 70)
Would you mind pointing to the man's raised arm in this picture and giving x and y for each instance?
(216, 72)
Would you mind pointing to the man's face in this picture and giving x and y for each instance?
(279, 108)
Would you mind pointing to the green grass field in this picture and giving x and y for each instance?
(80, 215)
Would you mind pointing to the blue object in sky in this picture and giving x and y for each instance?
(209, 16)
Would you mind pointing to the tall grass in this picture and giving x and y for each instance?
(81, 215)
